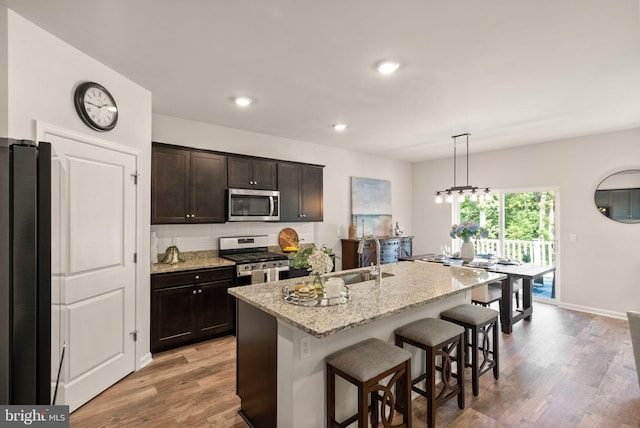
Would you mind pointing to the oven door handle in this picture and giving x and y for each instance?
(258, 276)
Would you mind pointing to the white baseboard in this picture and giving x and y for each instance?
(595, 311)
(146, 359)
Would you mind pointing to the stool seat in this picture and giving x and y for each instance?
(470, 314)
(430, 331)
(366, 360)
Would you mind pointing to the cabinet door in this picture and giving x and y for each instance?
(289, 177)
(389, 250)
(300, 189)
(350, 257)
(368, 256)
(620, 204)
(406, 247)
(240, 172)
(170, 169)
(602, 198)
(265, 174)
(311, 193)
(173, 317)
(635, 204)
(208, 186)
(248, 173)
(214, 308)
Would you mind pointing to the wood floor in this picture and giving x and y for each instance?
(563, 369)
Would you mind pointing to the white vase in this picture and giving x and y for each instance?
(467, 252)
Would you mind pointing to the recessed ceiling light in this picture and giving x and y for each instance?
(339, 127)
(243, 101)
(387, 66)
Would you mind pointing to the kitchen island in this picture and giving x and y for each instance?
(281, 347)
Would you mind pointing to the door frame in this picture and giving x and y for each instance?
(455, 215)
(142, 354)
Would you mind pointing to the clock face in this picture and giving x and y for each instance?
(96, 106)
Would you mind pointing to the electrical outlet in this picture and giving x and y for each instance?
(305, 347)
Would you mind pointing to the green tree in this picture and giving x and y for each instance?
(485, 213)
(528, 216)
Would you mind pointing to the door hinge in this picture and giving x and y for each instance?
(135, 176)
(135, 257)
(134, 333)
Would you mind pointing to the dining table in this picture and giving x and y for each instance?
(515, 271)
(528, 272)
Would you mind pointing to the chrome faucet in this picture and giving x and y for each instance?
(375, 270)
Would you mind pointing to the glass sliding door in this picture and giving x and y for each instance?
(521, 227)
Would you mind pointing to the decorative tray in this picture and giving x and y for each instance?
(481, 264)
(290, 295)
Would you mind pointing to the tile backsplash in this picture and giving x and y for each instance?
(202, 237)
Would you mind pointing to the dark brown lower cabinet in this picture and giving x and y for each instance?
(190, 306)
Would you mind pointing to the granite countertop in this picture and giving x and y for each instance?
(191, 261)
(412, 285)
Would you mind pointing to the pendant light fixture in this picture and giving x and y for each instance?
(462, 192)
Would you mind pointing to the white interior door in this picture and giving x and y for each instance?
(94, 274)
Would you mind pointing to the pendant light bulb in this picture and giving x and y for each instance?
(449, 197)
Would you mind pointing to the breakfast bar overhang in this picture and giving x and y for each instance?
(281, 348)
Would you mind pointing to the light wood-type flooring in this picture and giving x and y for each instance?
(563, 369)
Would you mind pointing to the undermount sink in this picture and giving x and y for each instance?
(355, 277)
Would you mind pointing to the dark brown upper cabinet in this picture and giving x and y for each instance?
(252, 173)
(300, 187)
(187, 185)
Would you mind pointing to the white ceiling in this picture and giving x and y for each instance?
(509, 72)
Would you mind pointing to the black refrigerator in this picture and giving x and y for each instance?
(25, 272)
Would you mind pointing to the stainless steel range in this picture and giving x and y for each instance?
(254, 262)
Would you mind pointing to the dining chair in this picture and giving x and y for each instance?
(634, 329)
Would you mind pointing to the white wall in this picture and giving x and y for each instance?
(43, 72)
(598, 272)
(340, 165)
(4, 79)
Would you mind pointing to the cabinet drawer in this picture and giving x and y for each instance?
(389, 243)
(163, 280)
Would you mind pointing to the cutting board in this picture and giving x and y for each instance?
(288, 239)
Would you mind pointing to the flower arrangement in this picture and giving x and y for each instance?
(317, 261)
(467, 230)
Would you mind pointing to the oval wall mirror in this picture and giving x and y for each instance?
(618, 196)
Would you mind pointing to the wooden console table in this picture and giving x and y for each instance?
(392, 248)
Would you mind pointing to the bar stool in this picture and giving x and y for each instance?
(364, 365)
(437, 338)
(486, 294)
(478, 320)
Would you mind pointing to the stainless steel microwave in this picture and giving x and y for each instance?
(253, 205)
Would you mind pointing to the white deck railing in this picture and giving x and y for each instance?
(540, 252)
